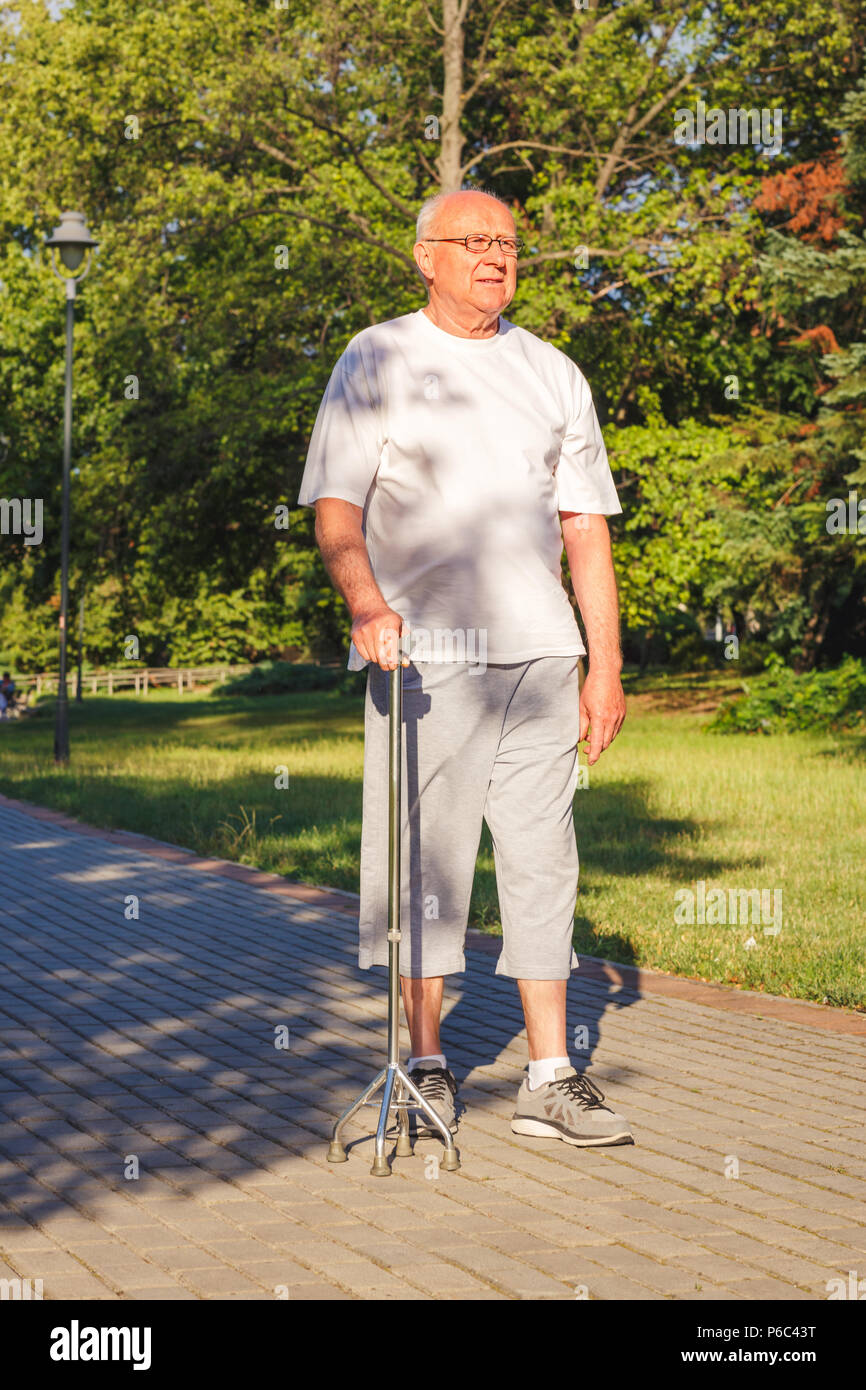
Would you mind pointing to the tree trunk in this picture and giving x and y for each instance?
(451, 148)
(816, 631)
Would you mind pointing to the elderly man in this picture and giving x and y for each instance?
(452, 454)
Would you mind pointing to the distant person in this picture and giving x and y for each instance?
(7, 695)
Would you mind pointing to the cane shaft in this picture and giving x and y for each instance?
(395, 767)
(399, 1090)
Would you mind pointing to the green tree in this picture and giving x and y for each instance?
(799, 577)
(253, 176)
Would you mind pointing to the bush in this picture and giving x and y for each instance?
(780, 700)
(289, 677)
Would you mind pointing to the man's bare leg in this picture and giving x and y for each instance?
(543, 1007)
(544, 1011)
(422, 1000)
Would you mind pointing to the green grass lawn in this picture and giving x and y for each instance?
(668, 805)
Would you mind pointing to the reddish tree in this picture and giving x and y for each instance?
(810, 193)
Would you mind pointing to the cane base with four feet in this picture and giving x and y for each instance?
(400, 1093)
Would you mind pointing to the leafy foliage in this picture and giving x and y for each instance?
(781, 700)
(253, 174)
(285, 678)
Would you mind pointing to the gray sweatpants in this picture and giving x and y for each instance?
(498, 744)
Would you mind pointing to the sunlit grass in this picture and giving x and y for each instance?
(668, 805)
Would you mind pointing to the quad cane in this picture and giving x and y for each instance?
(400, 1092)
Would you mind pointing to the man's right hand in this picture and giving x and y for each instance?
(376, 636)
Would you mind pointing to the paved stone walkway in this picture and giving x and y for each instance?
(149, 1044)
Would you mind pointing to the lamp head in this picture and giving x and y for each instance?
(71, 241)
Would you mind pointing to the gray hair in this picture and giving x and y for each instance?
(429, 210)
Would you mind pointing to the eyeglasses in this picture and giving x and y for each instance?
(508, 245)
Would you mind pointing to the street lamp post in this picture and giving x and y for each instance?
(71, 245)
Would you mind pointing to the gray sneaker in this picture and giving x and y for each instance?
(438, 1086)
(569, 1108)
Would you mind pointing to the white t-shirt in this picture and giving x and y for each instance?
(462, 452)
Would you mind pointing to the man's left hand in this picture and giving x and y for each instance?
(602, 710)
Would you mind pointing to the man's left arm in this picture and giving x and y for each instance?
(590, 560)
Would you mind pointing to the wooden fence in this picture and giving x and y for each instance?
(137, 679)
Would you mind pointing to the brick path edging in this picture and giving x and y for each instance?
(634, 979)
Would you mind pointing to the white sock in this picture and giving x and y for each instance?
(436, 1059)
(544, 1070)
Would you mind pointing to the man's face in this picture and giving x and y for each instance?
(484, 280)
